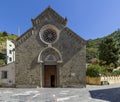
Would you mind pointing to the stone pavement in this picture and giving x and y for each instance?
(107, 93)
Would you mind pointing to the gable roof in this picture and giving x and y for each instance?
(49, 11)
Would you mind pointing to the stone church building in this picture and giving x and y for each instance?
(49, 54)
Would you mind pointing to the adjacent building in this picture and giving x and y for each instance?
(10, 51)
(7, 72)
(7, 75)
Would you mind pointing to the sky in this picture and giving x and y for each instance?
(90, 19)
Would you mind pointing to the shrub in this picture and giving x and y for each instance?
(5, 33)
(2, 62)
(93, 71)
(117, 72)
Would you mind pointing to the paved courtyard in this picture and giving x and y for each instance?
(107, 93)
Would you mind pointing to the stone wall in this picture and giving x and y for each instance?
(93, 80)
(99, 80)
(10, 80)
(72, 73)
(27, 68)
(111, 79)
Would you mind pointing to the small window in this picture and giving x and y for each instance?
(4, 74)
(10, 51)
(10, 45)
(10, 59)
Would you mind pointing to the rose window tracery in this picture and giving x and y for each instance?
(49, 35)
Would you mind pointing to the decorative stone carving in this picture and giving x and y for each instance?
(49, 35)
(50, 58)
(50, 52)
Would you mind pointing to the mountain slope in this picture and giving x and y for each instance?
(92, 45)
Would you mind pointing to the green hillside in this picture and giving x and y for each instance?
(92, 45)
(5, 35)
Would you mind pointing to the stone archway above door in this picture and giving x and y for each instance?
(50, 54)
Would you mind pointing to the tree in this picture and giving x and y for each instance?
(5, 33)
(109, 51)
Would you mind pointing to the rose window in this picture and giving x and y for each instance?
(49, 35)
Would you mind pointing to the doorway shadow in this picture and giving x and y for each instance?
(110, 95)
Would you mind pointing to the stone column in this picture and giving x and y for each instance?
(41, 75)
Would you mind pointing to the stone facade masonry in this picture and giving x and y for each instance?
(69, 50)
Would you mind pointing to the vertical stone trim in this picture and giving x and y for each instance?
(41, 75)
(58, 75)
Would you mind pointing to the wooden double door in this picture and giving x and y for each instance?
(50, 76)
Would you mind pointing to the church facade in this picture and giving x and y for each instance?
(50, 54)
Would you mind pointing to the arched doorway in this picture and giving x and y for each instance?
(50, 71)
(50, 58)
